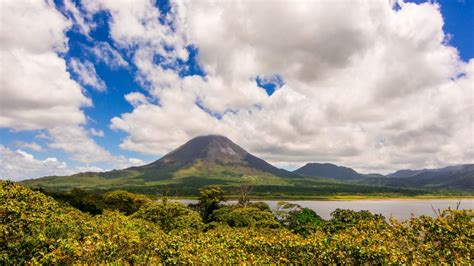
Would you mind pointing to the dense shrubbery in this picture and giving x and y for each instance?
(170, 215)
(36, 229)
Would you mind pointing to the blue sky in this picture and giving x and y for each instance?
(126, 77)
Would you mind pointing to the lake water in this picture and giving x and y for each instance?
(400, 209)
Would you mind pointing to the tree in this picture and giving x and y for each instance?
(298, 219)
(238, 216)
(170, 215)
(342, 219)
(210, 199)
(243, 193)
(124, 201)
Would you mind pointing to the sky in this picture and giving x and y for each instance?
(95, 85)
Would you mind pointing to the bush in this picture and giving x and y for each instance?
(35, 229)
(342, 219)
(236, 216)
(124, 201)
(303, 221)
(170, 215)
(34, 225)
(85, 201)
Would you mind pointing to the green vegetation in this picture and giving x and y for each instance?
(264, 188)
(125, 228)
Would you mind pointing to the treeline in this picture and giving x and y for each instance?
(126, 228)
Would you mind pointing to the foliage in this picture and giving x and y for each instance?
(298, 219)
(33, 225)
(86, 201)
(210, 199)
(170, 215)
(124, 201)
(342, 219)
(238, 216)
(35, 229)
(304, 221)
(243, 194)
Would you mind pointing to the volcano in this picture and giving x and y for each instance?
(210, 153)
(203, 160)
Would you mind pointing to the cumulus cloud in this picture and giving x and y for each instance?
(136, 98)
(18, 165)
(36, 89)
(76, 142)
(87, 74)
(375, 88)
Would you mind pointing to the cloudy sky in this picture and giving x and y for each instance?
(102, 84)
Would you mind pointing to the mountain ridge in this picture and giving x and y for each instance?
(328, 170)
(216, 160)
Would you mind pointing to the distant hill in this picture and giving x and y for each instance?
(405, 173)
(328, 170)
(431, 172)
(459, 177)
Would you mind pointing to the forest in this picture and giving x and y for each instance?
(119, 227)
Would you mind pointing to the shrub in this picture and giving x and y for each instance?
(124, 201)
(35, 229)
(170, 215)
(236, 216)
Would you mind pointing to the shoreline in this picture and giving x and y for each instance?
(345, 198)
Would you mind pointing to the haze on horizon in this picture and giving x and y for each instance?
(93, 85)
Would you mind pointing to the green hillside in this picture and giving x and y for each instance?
(216, 160)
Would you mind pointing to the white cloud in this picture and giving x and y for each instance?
(87, 74)
(36, 90)
(77, 17)
(105, 53)
(136, 98)
(122, 162)
(29, 145)
(373, 88)
(76, 142)
(19, 165)
(96, 132)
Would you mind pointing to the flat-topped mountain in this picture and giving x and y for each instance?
(327, 170)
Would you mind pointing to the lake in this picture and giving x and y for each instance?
(400, 209)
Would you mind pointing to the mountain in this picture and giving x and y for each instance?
(201, 161)
(405, 173)
(212, 150)
(216, 160)
(328, 170)
(460, 177)
(437, 171)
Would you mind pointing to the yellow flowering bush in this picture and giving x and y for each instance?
(35, 229)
